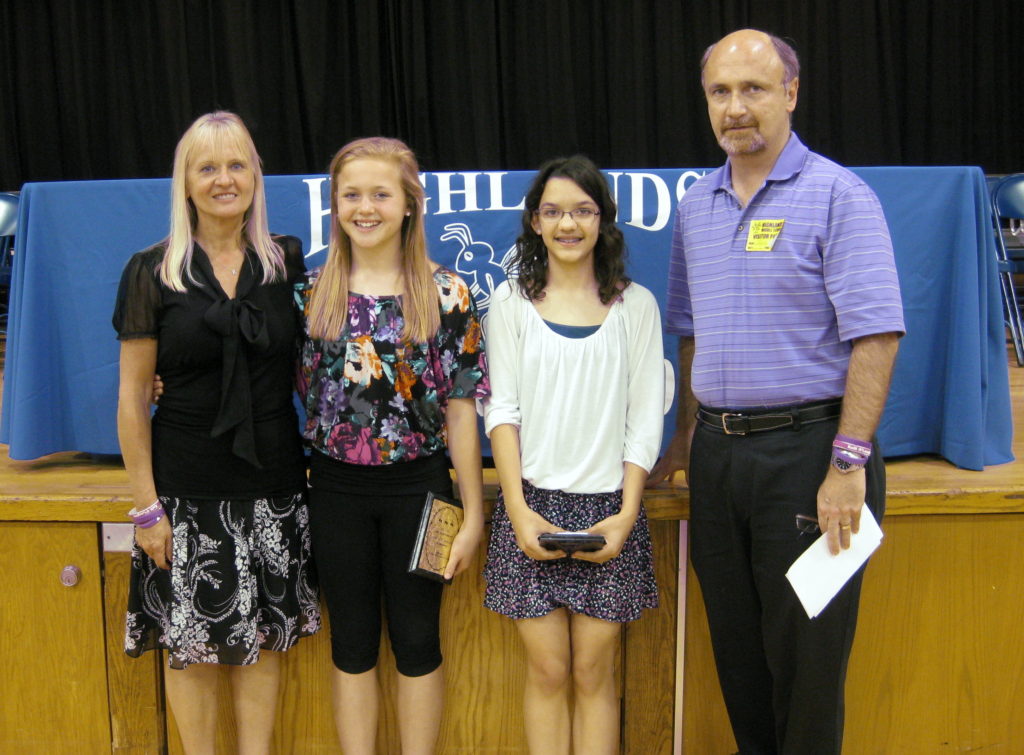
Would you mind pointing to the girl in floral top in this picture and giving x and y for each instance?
(391, 366)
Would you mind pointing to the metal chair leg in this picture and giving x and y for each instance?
(1013, 315)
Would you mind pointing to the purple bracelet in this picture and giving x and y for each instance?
(149, 516)
(853, 459)
(149, 522)
(845, 443)
(852, 447)
(150, 509)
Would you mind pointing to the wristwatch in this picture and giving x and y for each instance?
(844, 466)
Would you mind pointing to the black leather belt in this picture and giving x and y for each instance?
(744, 423)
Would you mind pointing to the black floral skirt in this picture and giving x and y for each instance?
(242, 579)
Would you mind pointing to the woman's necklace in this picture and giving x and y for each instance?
(231, 268)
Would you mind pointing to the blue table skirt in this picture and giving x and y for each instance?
(950, 392)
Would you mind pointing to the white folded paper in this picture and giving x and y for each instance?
(817, 575)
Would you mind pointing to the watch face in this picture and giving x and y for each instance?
(841, 464)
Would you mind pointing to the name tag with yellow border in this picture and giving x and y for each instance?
(762, 234)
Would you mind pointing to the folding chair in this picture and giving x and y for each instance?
(1008, 202)
(8, 225)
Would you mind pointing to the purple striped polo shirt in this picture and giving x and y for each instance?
(774, 327)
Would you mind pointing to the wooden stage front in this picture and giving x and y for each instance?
(938, 665)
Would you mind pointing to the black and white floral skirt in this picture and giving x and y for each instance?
(242, 579)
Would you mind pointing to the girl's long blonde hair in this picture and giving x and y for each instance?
(327, 312)
(219, 129)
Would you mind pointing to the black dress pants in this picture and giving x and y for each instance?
(782, 674)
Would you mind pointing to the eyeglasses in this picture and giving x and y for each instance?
(807, 524)
(554, 215)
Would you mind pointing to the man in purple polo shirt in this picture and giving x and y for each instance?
(784, 294)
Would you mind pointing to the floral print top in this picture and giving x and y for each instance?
(373, 399)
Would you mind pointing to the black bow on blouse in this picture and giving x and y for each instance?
(235, 320)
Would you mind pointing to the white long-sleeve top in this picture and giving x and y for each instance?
(583, 406)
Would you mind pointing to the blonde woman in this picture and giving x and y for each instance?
(221, 572)
(390, 368)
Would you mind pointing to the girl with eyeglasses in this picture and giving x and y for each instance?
(391, 365)
(575, 421)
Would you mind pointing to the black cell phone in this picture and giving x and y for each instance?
(570, 542)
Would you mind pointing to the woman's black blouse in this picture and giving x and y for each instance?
(225, 427)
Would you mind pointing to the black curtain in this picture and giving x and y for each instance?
(94, 89)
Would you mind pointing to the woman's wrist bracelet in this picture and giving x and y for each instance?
(149, 522)
(154, 506)
(149, 516)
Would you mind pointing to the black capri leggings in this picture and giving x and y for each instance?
(362, 542)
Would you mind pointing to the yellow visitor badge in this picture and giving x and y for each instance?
(762, 234)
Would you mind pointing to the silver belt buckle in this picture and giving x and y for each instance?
(725, 425)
